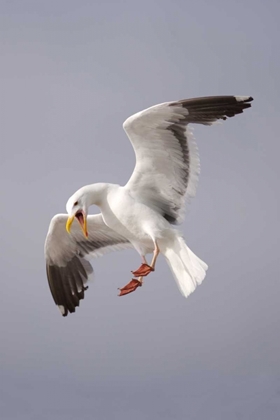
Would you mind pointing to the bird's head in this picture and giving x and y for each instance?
(77, 208)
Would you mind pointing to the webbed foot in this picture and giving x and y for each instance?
(130, 287)
(143, 270)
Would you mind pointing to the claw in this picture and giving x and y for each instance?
(130, 287)
(143, 270)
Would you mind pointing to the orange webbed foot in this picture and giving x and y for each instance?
(143, 270)
(130, 287)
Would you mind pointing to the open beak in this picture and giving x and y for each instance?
(80, 216)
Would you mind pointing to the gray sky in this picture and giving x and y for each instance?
(71, 72)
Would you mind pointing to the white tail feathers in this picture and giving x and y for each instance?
(187, 269)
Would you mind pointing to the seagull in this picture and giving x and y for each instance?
(143, 213)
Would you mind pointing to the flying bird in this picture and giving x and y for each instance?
(141, 214)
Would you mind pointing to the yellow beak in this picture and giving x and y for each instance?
(83, 224)
(84, 227)
(69, 223)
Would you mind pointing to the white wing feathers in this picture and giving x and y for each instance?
(167, 161)
(66, 257)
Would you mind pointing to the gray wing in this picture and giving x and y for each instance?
(68, 269)
(167, 161)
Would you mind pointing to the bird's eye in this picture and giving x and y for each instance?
(76, 203)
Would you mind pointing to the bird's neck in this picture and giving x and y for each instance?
(96, 193)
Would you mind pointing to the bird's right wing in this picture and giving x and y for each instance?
(67, 266)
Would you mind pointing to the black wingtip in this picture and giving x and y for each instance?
(244, 99)
(244, 102)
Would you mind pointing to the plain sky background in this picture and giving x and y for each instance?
(71, 72)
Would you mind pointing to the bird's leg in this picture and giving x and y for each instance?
(155, 255)
(131, 286)
(145, 268)
(134, 283)
(142, 271)
(143, 258)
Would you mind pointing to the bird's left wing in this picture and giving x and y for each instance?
(167, 160)
(66, 257)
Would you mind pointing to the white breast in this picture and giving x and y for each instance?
(132, 219)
